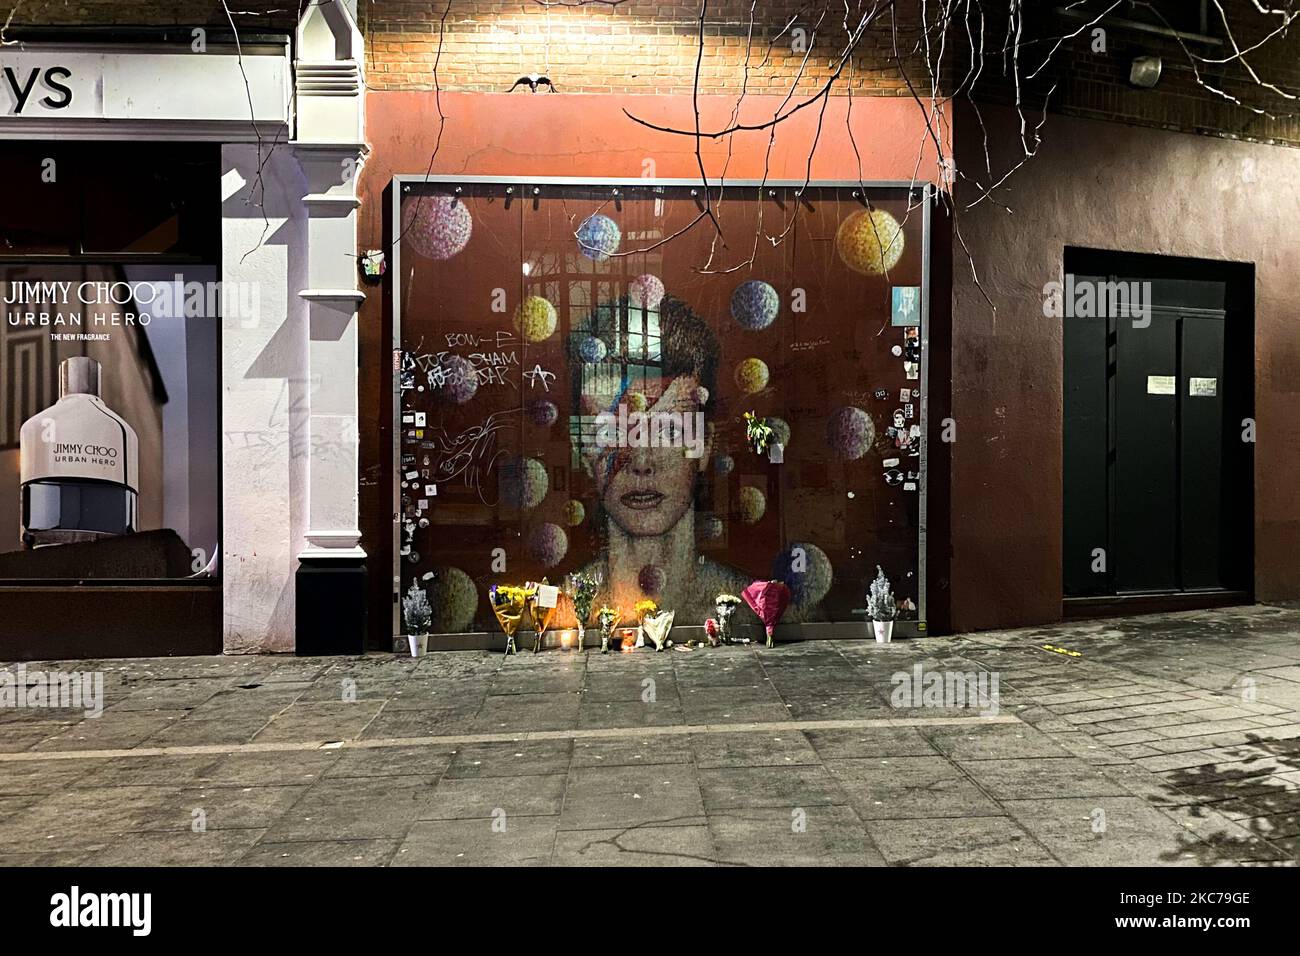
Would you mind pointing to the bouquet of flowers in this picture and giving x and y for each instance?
(508, 604)
(656, 625)
(718, 629)
(581, 590)
(541, 615)
(768, 599)
(608, 619)
(643, 609)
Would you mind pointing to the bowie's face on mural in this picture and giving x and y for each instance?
(647, 490)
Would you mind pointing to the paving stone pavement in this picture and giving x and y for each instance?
(1160, 740)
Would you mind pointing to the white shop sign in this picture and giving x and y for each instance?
(53, 84)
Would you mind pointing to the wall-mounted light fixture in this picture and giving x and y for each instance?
(1145, 71)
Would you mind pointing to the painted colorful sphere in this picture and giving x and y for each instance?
(574, 513)
(543, 413)
(645, 291)
(593, 349)
(755, 304)
(548, 544)
(535, 319)
(710, 527)
(780, 431)
(523, 482)
(870, 242)
(850, 432)
(806, 570)
(652, 579)
(702, 396)
(598, 237)
(453, 598)
(724, 464)
(439, 227)
(459, 380)
(753, 503)
(751, 376)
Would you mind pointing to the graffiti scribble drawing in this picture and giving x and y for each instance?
(471, 455)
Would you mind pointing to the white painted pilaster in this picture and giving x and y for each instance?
(329, 146)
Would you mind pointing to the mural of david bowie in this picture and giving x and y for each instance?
(648, 496)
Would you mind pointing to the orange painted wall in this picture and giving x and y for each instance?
(585, 135)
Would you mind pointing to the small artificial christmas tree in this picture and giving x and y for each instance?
(880, 599)
(416, 610)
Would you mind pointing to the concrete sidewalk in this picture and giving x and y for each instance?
(1168, 739)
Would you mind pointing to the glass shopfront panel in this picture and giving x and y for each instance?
(575, 367)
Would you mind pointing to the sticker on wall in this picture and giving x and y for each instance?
(906, 305)
(1203, 387)
(1161, 385)
(881, 394)
(420, 418)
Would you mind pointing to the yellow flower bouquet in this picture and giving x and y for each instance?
(608, 618)
(508, 604)
(541, 615)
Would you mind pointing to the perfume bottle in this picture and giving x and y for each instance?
(79, 465)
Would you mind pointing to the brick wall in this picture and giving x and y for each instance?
(644, 46)
(1094, 83)
(649, 46)
(636, 46)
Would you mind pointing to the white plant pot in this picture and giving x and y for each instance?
(884, 631)
(419, 644)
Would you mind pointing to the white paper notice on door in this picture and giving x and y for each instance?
(1162, 385)
(1203, 387)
